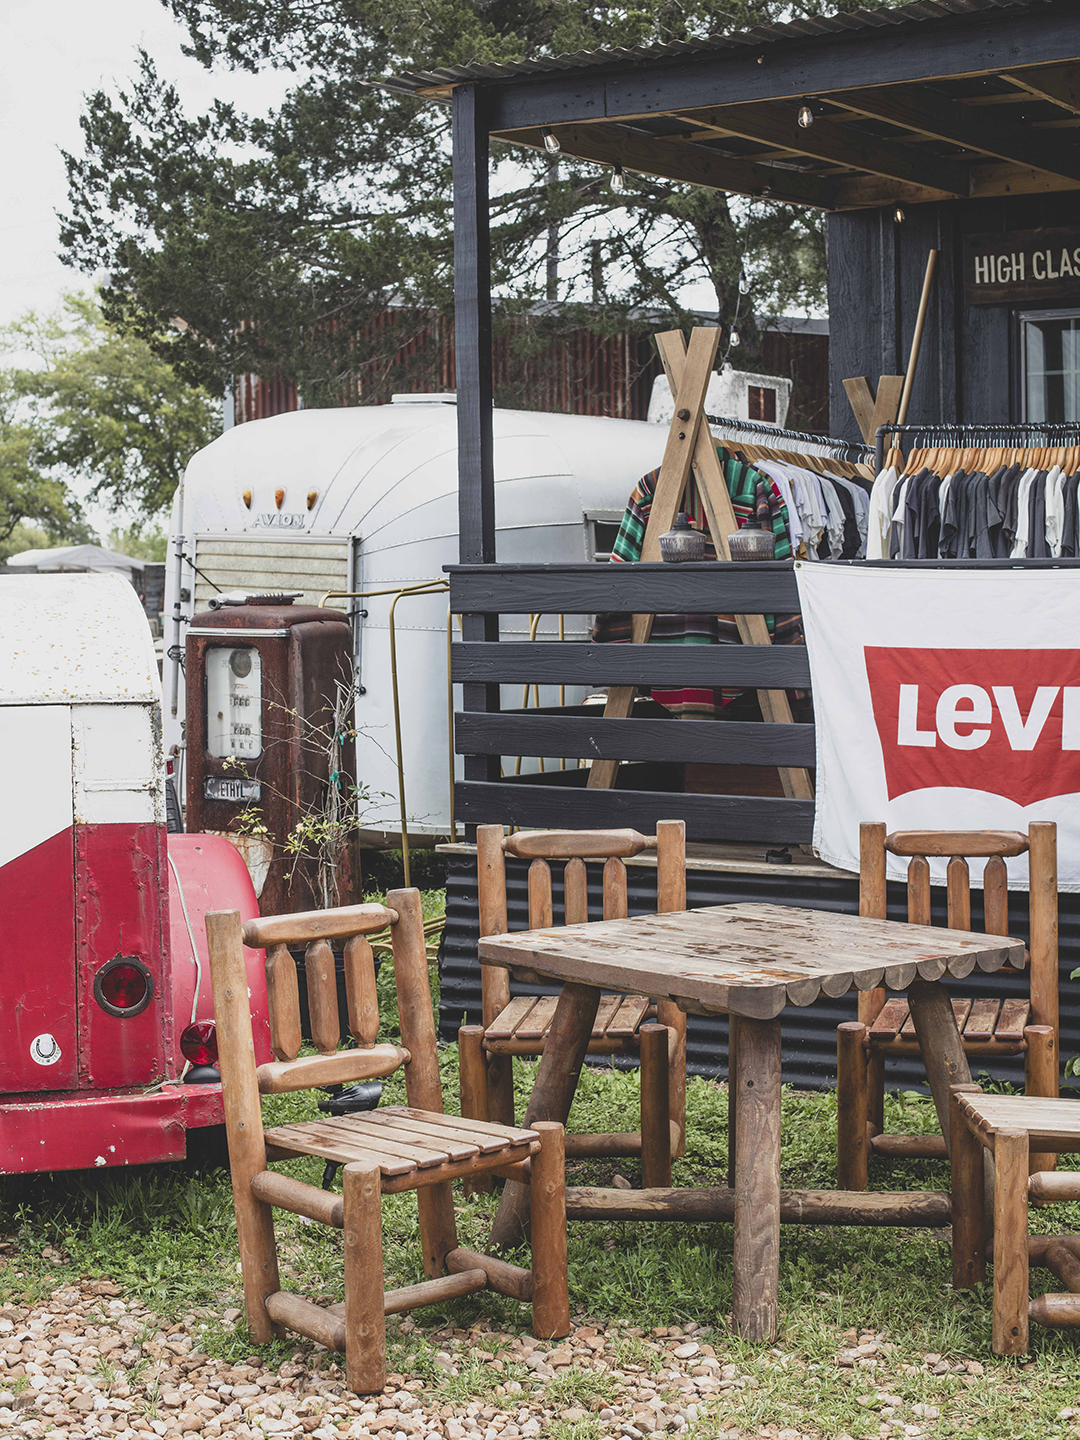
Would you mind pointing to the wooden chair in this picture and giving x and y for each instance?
(520, 1026)
(989, 1028)
(1007, 1127)
(413, 1147)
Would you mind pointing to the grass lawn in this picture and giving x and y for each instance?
(166, 1235)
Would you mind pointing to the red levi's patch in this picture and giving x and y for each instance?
(1002, 721)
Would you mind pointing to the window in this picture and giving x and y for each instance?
(601, 527)
(761, 403)
(1050, 350)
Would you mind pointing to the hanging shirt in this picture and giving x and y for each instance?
(1055, 509)
(879, 517)
(1023, 517)
(779, 477)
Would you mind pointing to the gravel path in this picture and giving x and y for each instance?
(90, 1363)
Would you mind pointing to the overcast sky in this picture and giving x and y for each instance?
(52, 53)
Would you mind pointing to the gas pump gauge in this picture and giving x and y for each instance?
(234, 702)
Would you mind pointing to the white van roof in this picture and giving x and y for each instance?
(74, 639)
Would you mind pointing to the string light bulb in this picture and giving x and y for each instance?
(734, 338)
(744, 283)
(551, 142)
(898, 215)
(806, 117)
(617, 183)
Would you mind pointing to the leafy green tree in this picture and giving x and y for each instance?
(36, 507)
(139, 541)
(278, 239)
(105, 408)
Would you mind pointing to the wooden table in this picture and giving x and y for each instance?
(750, 962)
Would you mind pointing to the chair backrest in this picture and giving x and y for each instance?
(403, 915)
(995, 846)
(574, 847)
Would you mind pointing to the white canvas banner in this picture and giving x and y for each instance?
(944, 700)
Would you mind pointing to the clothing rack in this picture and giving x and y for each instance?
(765, 434)
(1002, 432)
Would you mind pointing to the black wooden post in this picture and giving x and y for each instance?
(472, 320)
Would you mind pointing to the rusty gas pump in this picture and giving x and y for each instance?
(271, 745)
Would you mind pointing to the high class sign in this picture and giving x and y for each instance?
(1022, 267)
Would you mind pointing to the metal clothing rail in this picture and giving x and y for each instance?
(841, 449)
(1001, 432)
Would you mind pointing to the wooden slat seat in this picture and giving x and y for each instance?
(522, 1027)
(989, 1026)
(402, 1147)
(401, 1141)
(1016, 1138)
(981, 1022)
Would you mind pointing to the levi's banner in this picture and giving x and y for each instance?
(944, 699)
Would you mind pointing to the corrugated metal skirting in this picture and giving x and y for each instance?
(810, 1032)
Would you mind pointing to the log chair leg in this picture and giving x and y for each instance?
(243, 1122)
(875, 1090)
(365, 1321)
(474, 1093)
(669, 1014)
(500, 1088)
(732, 1095)
(1011, 1242)
(757, 1181)
(552, 1095)
(550, 1296)
(851, 1106)
(968, 1201)
(438, 1228)
(1041, 1077)
(655, 1107)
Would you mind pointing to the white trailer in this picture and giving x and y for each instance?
(366, 499)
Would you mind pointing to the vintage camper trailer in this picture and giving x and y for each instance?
(364, 499)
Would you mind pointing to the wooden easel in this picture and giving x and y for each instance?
(690, 446)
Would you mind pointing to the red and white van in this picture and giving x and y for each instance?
(107, 1047)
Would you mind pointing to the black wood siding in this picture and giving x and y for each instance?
(968, 363)
(809, 1032)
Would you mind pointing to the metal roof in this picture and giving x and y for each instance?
(915, 12)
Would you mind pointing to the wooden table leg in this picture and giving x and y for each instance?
(552, 1095)
(940, 1045)
(757, 1180)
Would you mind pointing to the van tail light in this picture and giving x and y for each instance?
(198, 1043)
(123, 986)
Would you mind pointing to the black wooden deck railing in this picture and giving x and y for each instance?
(483, 733)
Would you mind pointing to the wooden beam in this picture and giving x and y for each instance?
(1060, 84)
(900, 54)
(987, 181)
(826, 140)
(926, 113)
(750, 819)
(709, 742)
(557, 662)
(676, 160)
(768, 587)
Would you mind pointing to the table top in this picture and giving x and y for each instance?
(750, 959)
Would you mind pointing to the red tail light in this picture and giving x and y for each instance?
(198, 1043)
(124, 986)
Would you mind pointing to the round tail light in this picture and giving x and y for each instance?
(198, 1043)
(123, 986)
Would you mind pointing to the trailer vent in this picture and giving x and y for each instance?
(312, 567)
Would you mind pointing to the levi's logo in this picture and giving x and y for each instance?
(1004, 721)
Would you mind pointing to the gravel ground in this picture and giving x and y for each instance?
(90, 1363)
